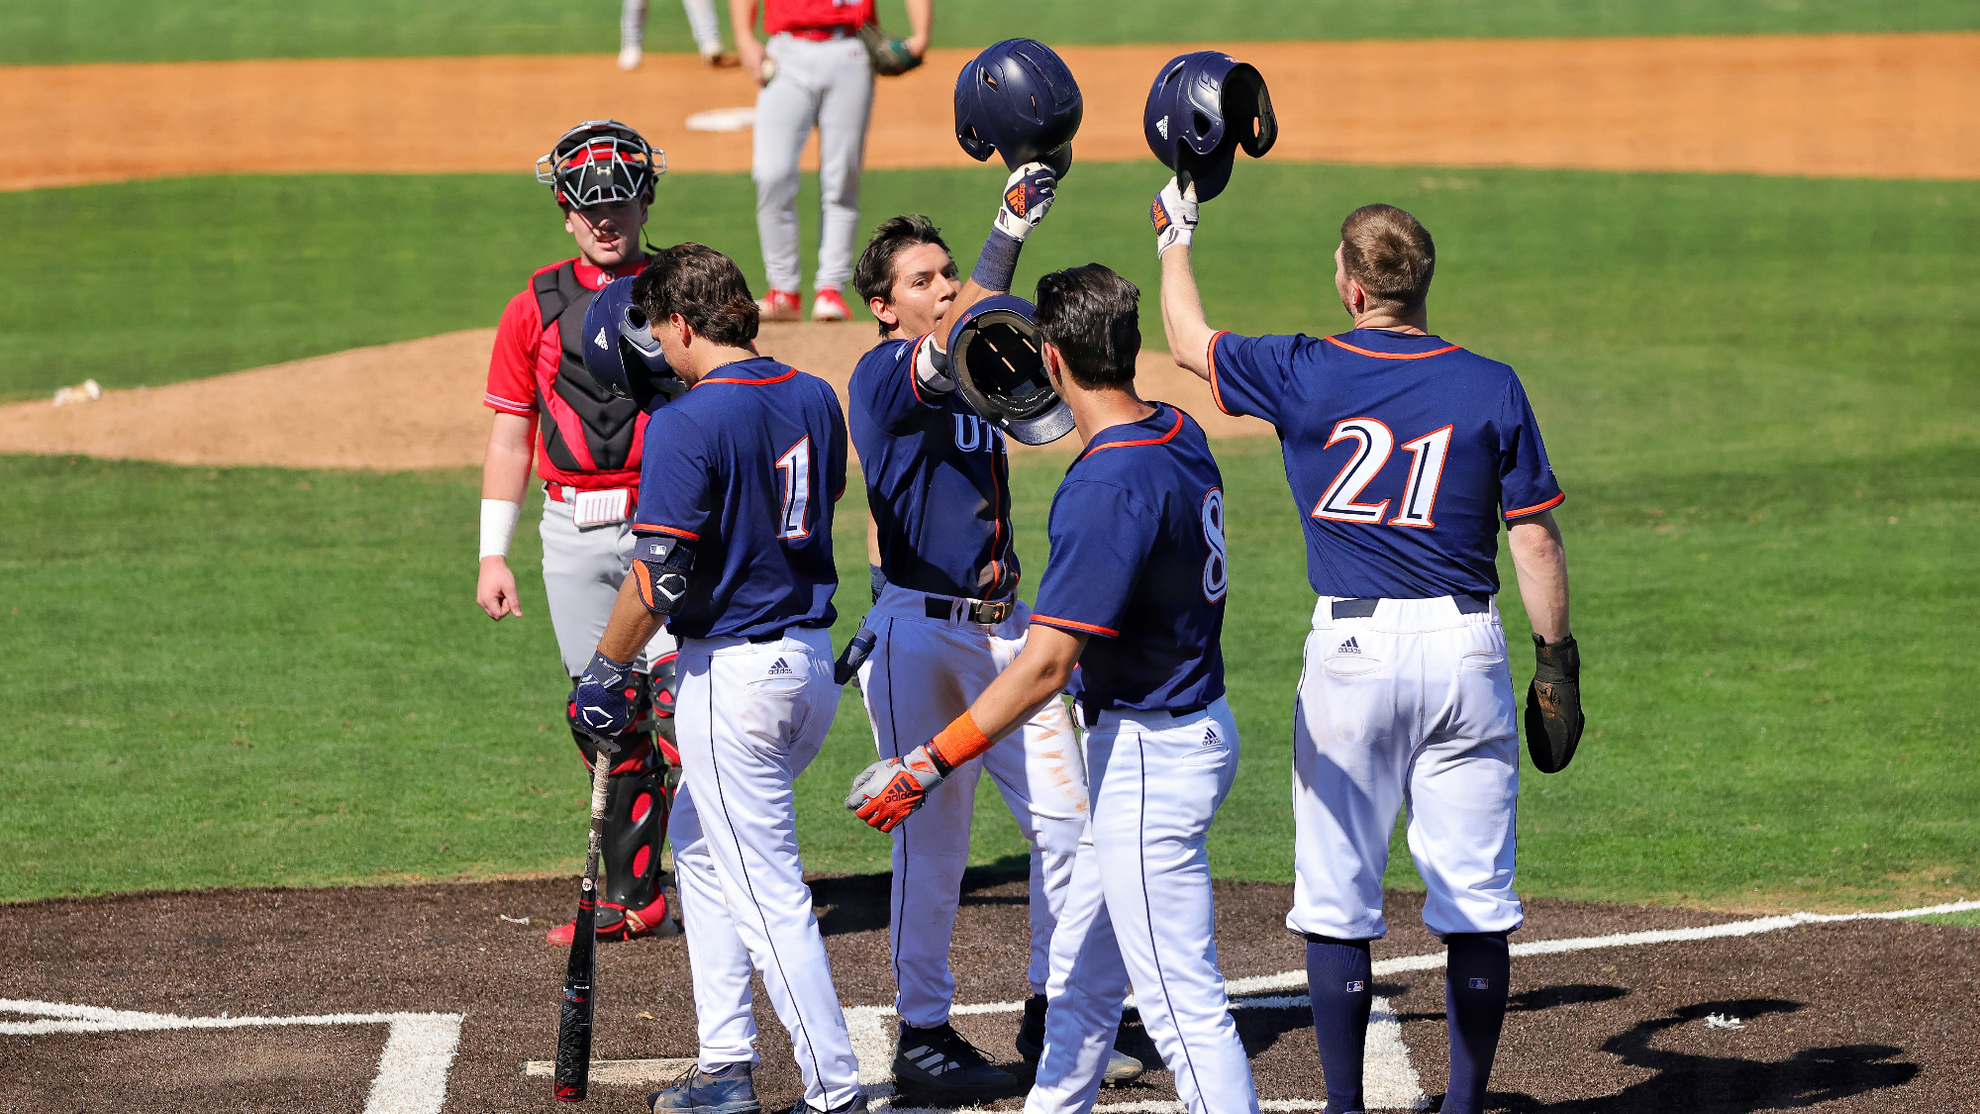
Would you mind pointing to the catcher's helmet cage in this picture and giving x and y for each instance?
(1201, 109)
(998, 363)
(620, 350)
(600, 162)
(1017, 98)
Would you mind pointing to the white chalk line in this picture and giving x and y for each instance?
(412, 1070)
(419, 1047)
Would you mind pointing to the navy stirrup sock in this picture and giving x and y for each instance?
(1475, 1011)
(1337, 976)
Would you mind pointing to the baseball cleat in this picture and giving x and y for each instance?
(939, 1063)
(657, 920)
(629, 56)
(779, 305)
(1121, 1067)
(728, 1091)
(853, 1105)
(829, 305)
(716, 57)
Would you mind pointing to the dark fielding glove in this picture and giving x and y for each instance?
(602, 704)
(1553, 704)
(890, 56)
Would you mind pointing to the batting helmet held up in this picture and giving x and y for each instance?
(997, 361)
(1017, 98)
(600, 162)
(621, 352)
(1201, 109)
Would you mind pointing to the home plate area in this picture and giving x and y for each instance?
(421, 999)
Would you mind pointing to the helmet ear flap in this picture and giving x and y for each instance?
(1248, 105)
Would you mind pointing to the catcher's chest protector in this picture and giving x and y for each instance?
(590, 430)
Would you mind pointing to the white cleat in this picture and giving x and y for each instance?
(629, 57)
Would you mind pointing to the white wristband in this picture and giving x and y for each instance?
(498, 526)
(931, 369)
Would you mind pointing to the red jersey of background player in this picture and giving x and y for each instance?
(588, 439)
(793, 15)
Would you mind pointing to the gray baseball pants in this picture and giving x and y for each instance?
(827, 85)
(582, 571)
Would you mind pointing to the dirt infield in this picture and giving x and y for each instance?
(1886, 106)
(438, 992)
(422, 410)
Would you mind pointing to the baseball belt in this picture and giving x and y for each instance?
(986, 613)
(1364, 607)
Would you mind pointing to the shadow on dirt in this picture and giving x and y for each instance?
(849, 903)
(1728, 1084)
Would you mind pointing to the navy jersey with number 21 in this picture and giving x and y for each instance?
(746, 467)
(1138, 562)
(1404, 453)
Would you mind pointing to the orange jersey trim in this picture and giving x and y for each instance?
(1537, 507)
(1339, 343)
(1072, 624)
(1162, 440)
(753, 382)
(650, 528)
(1216, 395)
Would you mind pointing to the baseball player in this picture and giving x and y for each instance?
(588, 457)
(702, 24)
(1134, 596)
(733, 551)
(946, 621)
(814, 72)
(1404, 453)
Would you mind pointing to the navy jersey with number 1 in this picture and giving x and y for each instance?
(1404, 453)
(746, 467)
(1138, 562)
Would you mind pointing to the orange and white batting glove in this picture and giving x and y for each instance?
(1174, 216)
(886, 792)
(1028, 195)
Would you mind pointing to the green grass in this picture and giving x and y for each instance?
(1743, 381)
(146, 30)
(1968, 919)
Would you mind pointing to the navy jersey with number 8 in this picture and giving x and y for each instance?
(1138, 562)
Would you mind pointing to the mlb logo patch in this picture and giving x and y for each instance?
(1481, 984)
(1355, 986)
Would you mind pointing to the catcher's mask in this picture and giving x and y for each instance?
(1019, 99)
(998, 363)
(1201, 109)
(600, 162)
(621, 352)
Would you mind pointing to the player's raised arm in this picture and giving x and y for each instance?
(1027, 197)
(1174, 216)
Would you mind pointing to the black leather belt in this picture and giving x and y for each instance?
(985, 613)
(1088, 717)
(776, 635)
(1365, 607)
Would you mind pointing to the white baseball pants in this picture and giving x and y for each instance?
(1140, 914)
(582, 571)
(827, 85)
(923, 673)
(1412, 706)
(751, 717)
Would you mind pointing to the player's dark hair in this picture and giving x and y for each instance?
(873, 275)
(1389, 254)
(1092, 316)
(702, 285)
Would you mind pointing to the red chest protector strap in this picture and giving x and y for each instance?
(589, 429)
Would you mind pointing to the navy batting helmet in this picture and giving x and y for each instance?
(600, 162)
(621, 352)
(1017, 98)
(1201, 109)
(996, 359)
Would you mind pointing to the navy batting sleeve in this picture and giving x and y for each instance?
(675, 478)
(1248, 375)
(1101, 536)
(1526, 480)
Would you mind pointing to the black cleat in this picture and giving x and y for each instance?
(1121, 1067)
(938, 1063)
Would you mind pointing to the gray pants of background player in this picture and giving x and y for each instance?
(828, 85)
(702, 24)
(582, 571)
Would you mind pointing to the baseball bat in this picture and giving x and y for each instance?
(573, 1074)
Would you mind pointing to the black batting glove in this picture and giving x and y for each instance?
(602, 704)
(1553, 704)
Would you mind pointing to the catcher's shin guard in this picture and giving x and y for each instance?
(639, 797)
